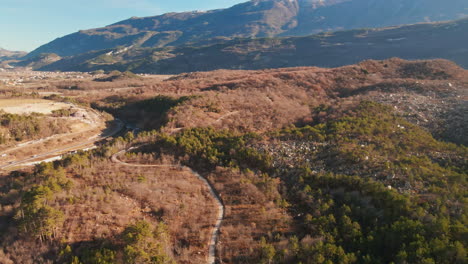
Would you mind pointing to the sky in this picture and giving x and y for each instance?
(28, 24)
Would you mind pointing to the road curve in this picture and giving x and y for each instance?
(59, 150)
(219, 217)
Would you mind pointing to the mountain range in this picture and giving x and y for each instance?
(255, 19)
(421, 41)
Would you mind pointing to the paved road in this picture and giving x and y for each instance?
(219, 217)
(58, 151)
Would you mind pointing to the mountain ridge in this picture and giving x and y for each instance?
(257, 18)
(421, 41)
(9, 55)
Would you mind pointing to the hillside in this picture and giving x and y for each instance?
(431, 93)
(422, 41)
(364, 163)
(256, 18)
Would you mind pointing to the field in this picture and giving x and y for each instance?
(25, 106)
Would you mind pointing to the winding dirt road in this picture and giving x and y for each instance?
(219, 217)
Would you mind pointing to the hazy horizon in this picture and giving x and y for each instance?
(28, 24)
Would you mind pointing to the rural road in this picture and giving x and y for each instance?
(48, 156)
(219, 217)
(61, 150)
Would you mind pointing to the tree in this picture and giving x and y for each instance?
(267, 252)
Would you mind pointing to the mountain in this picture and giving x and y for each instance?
(38, 61)
(257, 18)
(421, 41)
(10, 55)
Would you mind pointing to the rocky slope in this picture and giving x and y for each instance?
(257, 18)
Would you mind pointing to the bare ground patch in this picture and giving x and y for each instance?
(26, 106)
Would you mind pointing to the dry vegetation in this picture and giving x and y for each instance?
(271, 99)
(35, 126)
(252, 212)
(252, 208)
(275, 204)
(104, 198)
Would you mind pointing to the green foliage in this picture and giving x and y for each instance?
(64, 99)
(357, 219)
(372, 141)
(316, 133)
(35, 215)
(104, 59)
(213, 148)
(114, 75)
(267, 252)
(62, 112)
(99, 256)
(140, 243)
(368, 223)
(145, 243)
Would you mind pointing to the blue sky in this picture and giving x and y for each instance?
(27, 24)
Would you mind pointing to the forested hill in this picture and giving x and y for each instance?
(252, 19)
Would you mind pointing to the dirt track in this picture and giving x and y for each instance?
(219, 218)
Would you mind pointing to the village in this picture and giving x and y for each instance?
(14, 77)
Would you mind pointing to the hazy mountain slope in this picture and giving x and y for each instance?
(38, 61)
(10, 55)
(348, 14)
(422, 41)
(258, 18)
